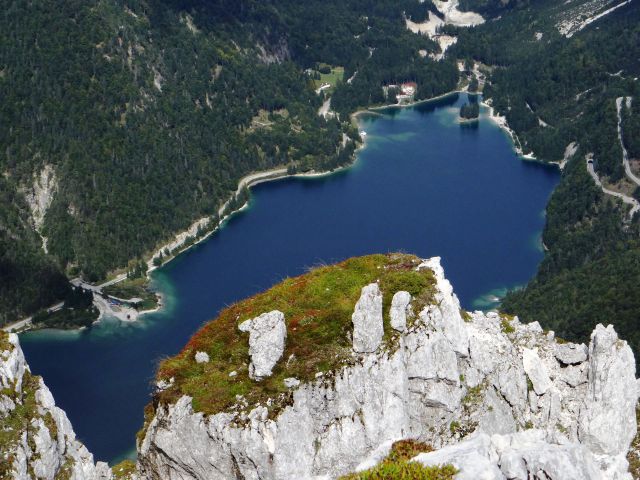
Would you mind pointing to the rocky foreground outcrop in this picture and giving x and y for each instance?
(36, 437)
(498, 398)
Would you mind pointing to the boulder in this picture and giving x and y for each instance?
(267, 337)
(202, 357)
(368, 328)
(536, 371)
(291, 382)
(400, 308)
(570, 353)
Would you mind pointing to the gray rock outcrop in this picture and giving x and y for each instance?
(368, 328)
(202, 357)
(604, 424)
(536, 371)
(517, 456)
(570, 353)
(446, 380)
(267, 337)
(40, 442)
(400, 309)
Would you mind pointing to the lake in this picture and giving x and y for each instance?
(424, 184)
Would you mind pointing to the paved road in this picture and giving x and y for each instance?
(26, 322)
(635, 205)
(625, 154)
(78, 282)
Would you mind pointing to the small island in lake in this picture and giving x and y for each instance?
(469, 112)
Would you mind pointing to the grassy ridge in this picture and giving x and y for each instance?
(317, 308)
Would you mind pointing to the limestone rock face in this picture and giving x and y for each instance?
(571, 354)
(399, 310)
(267, 337)
(607, 423)
(461, 386)
(368, 328)
(518, 456)
(445, 314)
(536, 371)
(44, 446)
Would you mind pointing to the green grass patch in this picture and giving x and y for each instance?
(398, 467)
(505, 325)
(124, 470)
(5, 344)
(134, 288)
(474, 395)
(66, 318)
(333, 78)
(317, 308)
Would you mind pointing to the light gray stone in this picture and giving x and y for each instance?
(444, 314)
(607, 420)
(267, 337)
(291, 382)
(536, 371)
(574, 375)
(519, 456)
(368, 328)
(400, 308)
(202, 357)
(570, 353)
(472, 458)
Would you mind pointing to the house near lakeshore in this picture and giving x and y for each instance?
(409, 88)
(405, 92)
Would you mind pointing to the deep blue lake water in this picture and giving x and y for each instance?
(424, 184)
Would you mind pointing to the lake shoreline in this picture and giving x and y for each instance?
(256, 178)
(422, 185)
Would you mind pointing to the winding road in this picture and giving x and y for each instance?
(625, 153)
(635, 205)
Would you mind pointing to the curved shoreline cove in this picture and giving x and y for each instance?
(423, 184)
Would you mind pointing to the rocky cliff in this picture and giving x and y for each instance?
(36, 437)
(498, 398)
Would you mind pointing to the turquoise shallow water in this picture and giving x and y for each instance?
(424, 184)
